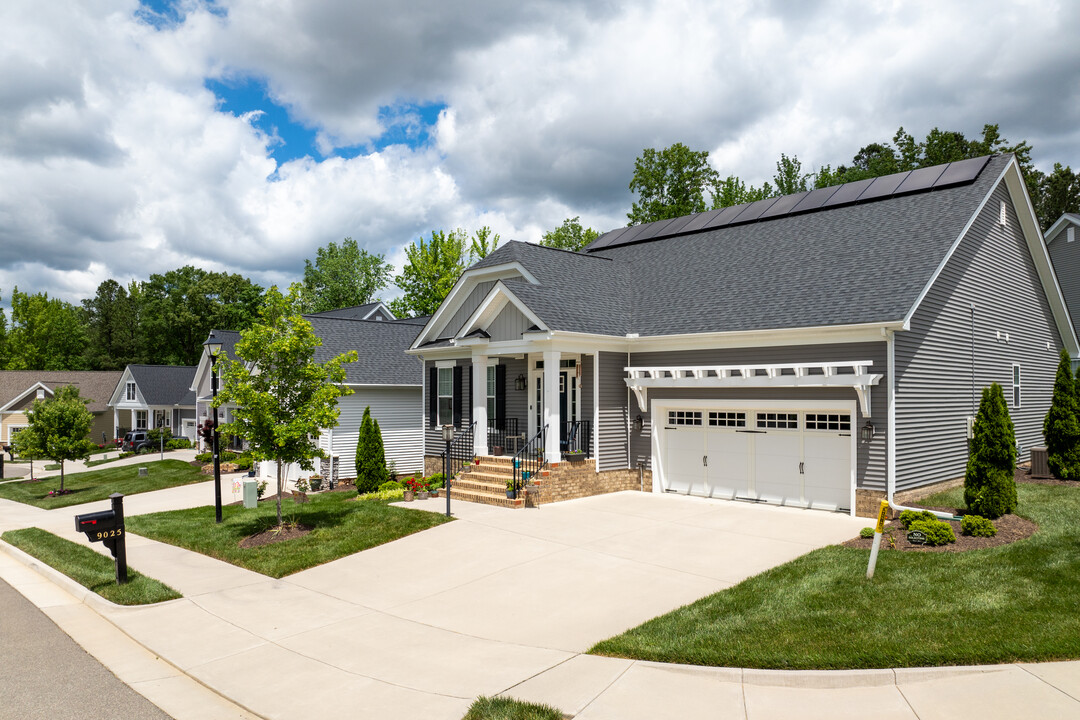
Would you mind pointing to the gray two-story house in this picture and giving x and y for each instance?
(823, 349)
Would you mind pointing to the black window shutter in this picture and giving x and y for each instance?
(457, 395)
(433, 396)
(500, 396)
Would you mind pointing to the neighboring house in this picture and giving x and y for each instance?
(376, 312)
(19, 389)
(200, 386)
(384, 378)
(1061, 241)
(822, 349)
(154, 396)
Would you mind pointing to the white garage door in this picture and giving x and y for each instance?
(800, 458)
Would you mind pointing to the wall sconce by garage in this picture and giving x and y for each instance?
(519, 383)
(866, 433)
(638, 424)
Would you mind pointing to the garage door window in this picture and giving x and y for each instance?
(727, 419)
(684, 417)
(828, 421)
(779, 421)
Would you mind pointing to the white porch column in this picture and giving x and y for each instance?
(479, 404)
(115, 422)
(133, 420)
(551, 406)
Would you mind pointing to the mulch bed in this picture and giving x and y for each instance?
(275, 535)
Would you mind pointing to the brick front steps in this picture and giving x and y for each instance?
(485, 482)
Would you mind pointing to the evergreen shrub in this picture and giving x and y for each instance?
(989, 484)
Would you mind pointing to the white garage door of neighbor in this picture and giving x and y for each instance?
(800, 458)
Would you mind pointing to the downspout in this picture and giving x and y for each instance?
(890, 463)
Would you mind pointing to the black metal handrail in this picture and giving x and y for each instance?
(530, 459)
(461, 451)
(499, 431)
(575, 436)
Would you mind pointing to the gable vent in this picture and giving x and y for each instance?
(1001, 218)
(1070, 234)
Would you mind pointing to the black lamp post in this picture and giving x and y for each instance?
(213, 349)
(448, 437)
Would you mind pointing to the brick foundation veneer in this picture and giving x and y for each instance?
(867, 501)
(568, 481)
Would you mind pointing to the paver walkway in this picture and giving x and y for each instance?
(505, 601)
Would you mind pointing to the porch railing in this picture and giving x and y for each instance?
(575, 436)
(500, 432)
(461, 451)
(530, 459)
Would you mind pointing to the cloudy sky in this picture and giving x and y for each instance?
(241, 135)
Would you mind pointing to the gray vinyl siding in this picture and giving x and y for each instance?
(433, 441)
(585, 389)
(517, 401)
(613, 409)
(1065, 256)
(871, 461)
(936, 388)
(509, 324)
(465, 309)
(399, 414)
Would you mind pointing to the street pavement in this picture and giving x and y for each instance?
(506, 602)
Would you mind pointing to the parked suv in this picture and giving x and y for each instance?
(137, 441)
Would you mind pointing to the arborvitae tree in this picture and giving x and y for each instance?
(370, 460)
(989, 484)
(1061, 428)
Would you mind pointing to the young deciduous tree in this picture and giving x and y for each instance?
(430, 271)
(1061, 427)
(482, 244)
(283, 397)
(370, 456)
(343, 276)
(989, 483)
(58, 428)
(569, 236)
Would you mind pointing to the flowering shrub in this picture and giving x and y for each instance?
(416, 485)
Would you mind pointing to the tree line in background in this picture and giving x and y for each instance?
(164, 320)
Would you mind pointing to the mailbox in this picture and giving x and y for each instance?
(107, 527)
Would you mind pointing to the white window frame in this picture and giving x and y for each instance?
(1018, 385)
(448, 419)
(491, 389)
(10, 436)
(130, 391)
(141, 415)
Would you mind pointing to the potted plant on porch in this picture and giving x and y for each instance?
(511, 493)
(574, 456)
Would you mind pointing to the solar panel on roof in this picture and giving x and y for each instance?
(815, 199)
(755, 210)
(883, 186)
(726, 215)
(632, 232)
(962, 171)
(848, 193)
(920, 179)
(783, 205)
(607, 239)
(655, 229)
(701, 220)
(678, 224)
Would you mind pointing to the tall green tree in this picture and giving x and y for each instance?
(1058, 193)
(431, 269)
(342, 276)
(569, 236)
(59, 427)
(789, 177)
(284, 398)
(670, 183)
(114, 327)
(483, 242)
(46, 334)
(1061, 426)
(989, 483)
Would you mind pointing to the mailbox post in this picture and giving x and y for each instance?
(107, 527)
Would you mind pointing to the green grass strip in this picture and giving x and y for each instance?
(499, 708)
(90, 569)
(341, 525)
(1013, 603)
(99, 484)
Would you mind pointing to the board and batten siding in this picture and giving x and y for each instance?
(465, 309)
(936, 386)
(613, 411)
(871, 466)
(509, 324)
(400, 416)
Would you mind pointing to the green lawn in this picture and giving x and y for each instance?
(88, 568)
(1018, 602)
(498, 708)
(99, 484)
(340, 526)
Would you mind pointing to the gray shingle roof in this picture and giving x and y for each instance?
(860, 263)
(380, 346)
(96, 386)
(165, 384)
(357, 312)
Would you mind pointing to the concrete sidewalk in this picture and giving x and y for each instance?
(505, 602)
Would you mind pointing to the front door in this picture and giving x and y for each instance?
(568, 401)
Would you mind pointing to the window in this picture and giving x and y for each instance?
(446, 396)
(828, 421)
(684, 417)
(727, 419)
(778, 421)
(491, 394)
(1016, 386)
(140, 419)
(131, 391)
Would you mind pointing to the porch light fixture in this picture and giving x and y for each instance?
(866, 433)
(638, 424)
(519, 383)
